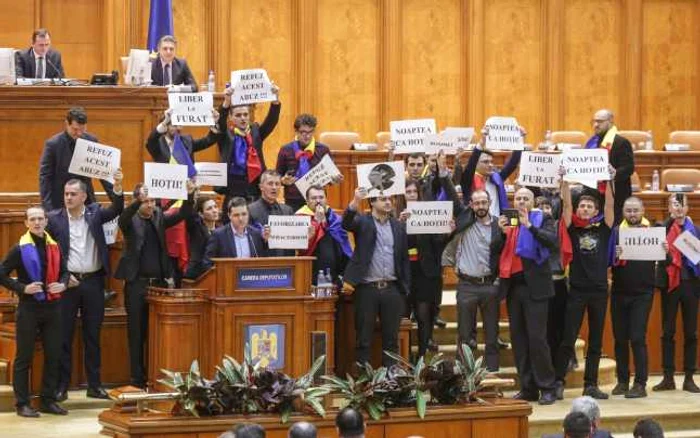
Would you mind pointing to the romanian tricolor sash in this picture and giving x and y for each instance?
(32, 264)
(333, 226)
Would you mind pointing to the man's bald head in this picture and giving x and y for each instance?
(603, 120)
(524, 198)
(633, 210)
(302, 429)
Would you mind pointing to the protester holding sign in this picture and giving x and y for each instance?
(241, 146)
(56, 158)
(267, 205)
(621, 156)
(480, 174)
(295, 159)
(144, 262)
(679, 280)
(378, 273)
(630, 304)
(588, 280)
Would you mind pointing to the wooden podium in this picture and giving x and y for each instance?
(264, 302)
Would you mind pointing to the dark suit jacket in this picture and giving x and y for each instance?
(95, 215)
(622, 159)
(180, 73)
(25, 64)
(238, 185)
(260, 214)
(53, 171)
(198, 236)
(661, 277)
(467, 178)
(221, 243)
(600, 433)
(365, 231)
(538, 277)
(132, 226)
(160, 152)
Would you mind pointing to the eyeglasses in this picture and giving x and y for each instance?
(304, 132)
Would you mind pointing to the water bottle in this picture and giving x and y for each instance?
(548, 140)
(211, 83)
(650, 141)
(655, 181)
(321, 284)
(329, 279)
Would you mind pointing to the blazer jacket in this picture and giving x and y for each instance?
(180, 73)
(25, 64)
(365, 231)
(158, 147)
(95, 215)
(467, 177)
(221, 244)
(133, 229)
(53, 171)
(622, 159)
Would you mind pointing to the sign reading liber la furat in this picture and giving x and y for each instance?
(539, 170)
(191, 109)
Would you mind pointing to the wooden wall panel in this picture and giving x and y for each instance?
(513, 63)
(670, 67)
(432, 61)
(592, 67)
(189, 20)
(347, 59)
(17, 22)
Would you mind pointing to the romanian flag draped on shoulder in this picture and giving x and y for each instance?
(32, 264)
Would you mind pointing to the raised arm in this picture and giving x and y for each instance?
(610, 204)
(567, 208)
(350, 219)
(116, 198)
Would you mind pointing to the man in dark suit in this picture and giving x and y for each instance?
(242, 146)
(378, 273)
(144, 262)
(56, 158)
(160, 141)
(621, 157)
(267, 205)
(237, 239)
(169, 70)
(79, 233)
(40, 60)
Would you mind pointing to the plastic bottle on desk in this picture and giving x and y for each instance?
(211, 82)
(321, 284)
(650, 141)
(655, 181)
(548, 145)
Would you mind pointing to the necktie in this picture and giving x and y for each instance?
(39, 68)
(166, 76)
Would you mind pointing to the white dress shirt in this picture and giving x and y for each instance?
(83, 256)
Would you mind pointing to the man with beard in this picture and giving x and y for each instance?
(378, 273)
(260, 210)
(473, 250)
(630, 303)
(679, 280)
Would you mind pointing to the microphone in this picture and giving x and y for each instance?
(252, 244)
(59, 79)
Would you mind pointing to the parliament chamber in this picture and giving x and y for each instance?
(356, 65)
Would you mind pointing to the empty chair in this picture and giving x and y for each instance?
(572, 137)
(383, 139)
(680, 176)
(339, 141)
(637, 138)
(686, 137)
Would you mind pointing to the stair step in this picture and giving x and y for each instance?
(76, 400)
(7, 398)
(448, 335)
(3, 371)
(574, 380)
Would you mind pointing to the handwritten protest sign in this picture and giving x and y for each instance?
(504, 134)
(689, 246)
(166, 181)
(212, 174)
(435, 143)
(321, 174)
(95, 160)
(463, 136)
(110, 229)
(407, 135)
(251, 86)
(586, 166)
(642, 243)
(382, 179)
(289, 232)
(539, 170)
(191, 109)
(430, 217)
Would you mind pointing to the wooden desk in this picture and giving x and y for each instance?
(645, 162)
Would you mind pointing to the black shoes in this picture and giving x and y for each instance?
(637, 391)
(547, 398)
(559, 390)
(667, 384)
(621, 388)
(502, 344)
(62, 395)
(27, 411)
(595, 392)
(690, 386)
(527, 396)
(98, 392)
(52, 408)
(440, 323)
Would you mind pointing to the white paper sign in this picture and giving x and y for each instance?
(539, 169)
(586, 166)
(435, 143)
(212, 174)
(504, 134)
(463, 136)
(431, 217)
(289, 232)
(321, 174)
(95, 160)
(407, 135)
(251, 86)
(382, 179)
(640, 243)
(110, 229)
(689, 246)
(191, 109)
(166, 181)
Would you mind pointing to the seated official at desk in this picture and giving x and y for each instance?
(40, 60)
(169, 70)
(237, 239)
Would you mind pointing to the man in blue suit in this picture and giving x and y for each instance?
(237, 239)
(78, 230)
(40, 60)
(169, 70)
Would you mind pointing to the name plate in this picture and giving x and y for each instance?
(265, 278)
(676, 147)
(679, 187)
